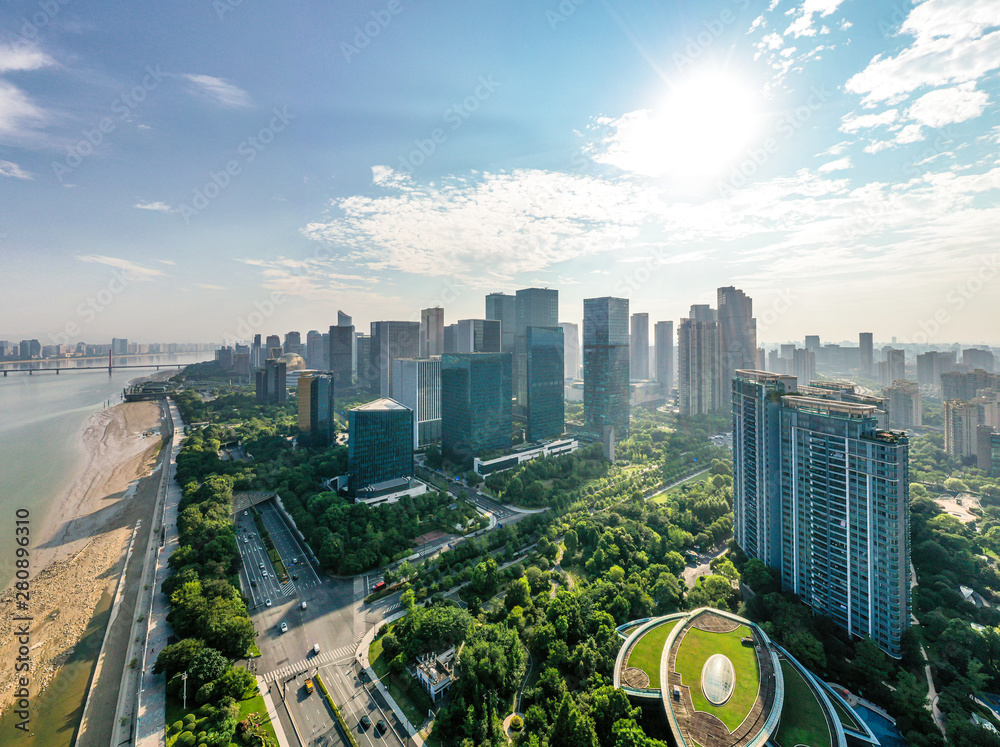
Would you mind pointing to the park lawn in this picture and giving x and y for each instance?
(648, 650)
(696, 647)
(175, 712)
(404, 689)
(670, 494)
(802, 719)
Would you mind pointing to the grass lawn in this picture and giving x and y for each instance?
(175, 712)
(646, 653)
(802, 720)
(694, 651)
(254, 651)
(404, 689)
(670, 494)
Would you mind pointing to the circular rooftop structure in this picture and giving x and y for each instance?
(293, 362)
(718, 677)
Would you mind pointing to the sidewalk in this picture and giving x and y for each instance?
(151, 727)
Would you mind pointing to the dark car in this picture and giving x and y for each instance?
(365, 721)
(380, 726)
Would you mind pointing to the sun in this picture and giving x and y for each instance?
(706, 124)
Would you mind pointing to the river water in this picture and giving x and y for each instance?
(41, 420)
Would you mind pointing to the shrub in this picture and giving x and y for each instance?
(186, 739)
(516, 724)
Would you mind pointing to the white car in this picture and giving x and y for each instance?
(284, 628)
(267, 602)
(265, 574)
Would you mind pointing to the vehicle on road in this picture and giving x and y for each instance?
(284, 627)
(380, 726)
(295, 577)
(265, 574)
(304, 605)
(309, 686)
(246, 540)
(379, 586)
(262, 566)
(246, 513)
(365, 721)
(316, 648)
(267, 602)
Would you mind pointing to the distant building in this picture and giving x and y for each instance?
(966, 385)
(697, 362)
(431, 332)
(979, 358)
(314, 349)
(380, 445)
(224, 357)
(525, 453)
(571, 350)
(821, 493)
(932, 364)
(270, 380)
(241, 360)
(961, 419)
(341, 355)
(606, 368)
(893, 367)
(391, 340)
(987, 444)
(545, 404)
(866, 354)
(316, 409)
(256, 353)
(477, 336)
(293, 343)
(638, 347)
(803, 364)
(272, 343)
(737, 336)
(119, 346)
(476, 412)
(663, 338)
(417, 385)
(367, 375)
(812, 344)
(905, 405)
(502, 308)
(29, 349)
(535, 307)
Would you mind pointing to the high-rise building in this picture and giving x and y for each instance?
(417, 384)
(477, 336)
(431, 332)
(803, 365)
(893, 367)
(905, 404)
(270, 382)
(119, 346)
(314, 349)
(663, 339)
(535, 307)
(606, 367)
(380, 446)
(821, 494)
(316, 410)
(450, 338)
(256, 353)
(961, 419)
(932, 364)
(476, 414)
(344, 320)
(503, 308)
(965, 385)
(812, 344)
(987, 448)
(546, 407)
(342, 341)
(979, 358)
(866, 354)
(571, 350)
(737, 335)
(697, 362)
(272, 348)
(293, 343)
(391, 340)
(638, 347)
(366, 373)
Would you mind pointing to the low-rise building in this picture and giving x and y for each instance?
(435, 672)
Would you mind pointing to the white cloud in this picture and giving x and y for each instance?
(220, 91)
(955, 41)
(912, 133)
(140, 272)
(947, 105)
(209, 286)
(839, 165)
(802, 25)
(166, 262)
(27, 58)
(9, 168)
(17, 114)
(160, 207)
(854, 122)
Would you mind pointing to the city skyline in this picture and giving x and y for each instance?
(859, 151)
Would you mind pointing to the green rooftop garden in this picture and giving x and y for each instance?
(696, 647)
(646, 653)
(802, 720)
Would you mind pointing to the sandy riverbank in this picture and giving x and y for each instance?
(77, 556)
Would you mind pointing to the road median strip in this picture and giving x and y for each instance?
(336, 711)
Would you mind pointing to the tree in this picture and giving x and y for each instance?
(518, 594)
(408, 599)
(177, 656)
(608, 706)
(208, 665)
(571, 541)
(571, 727)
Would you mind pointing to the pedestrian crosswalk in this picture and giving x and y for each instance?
(309, 663)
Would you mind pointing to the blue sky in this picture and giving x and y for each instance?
(210, 169)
